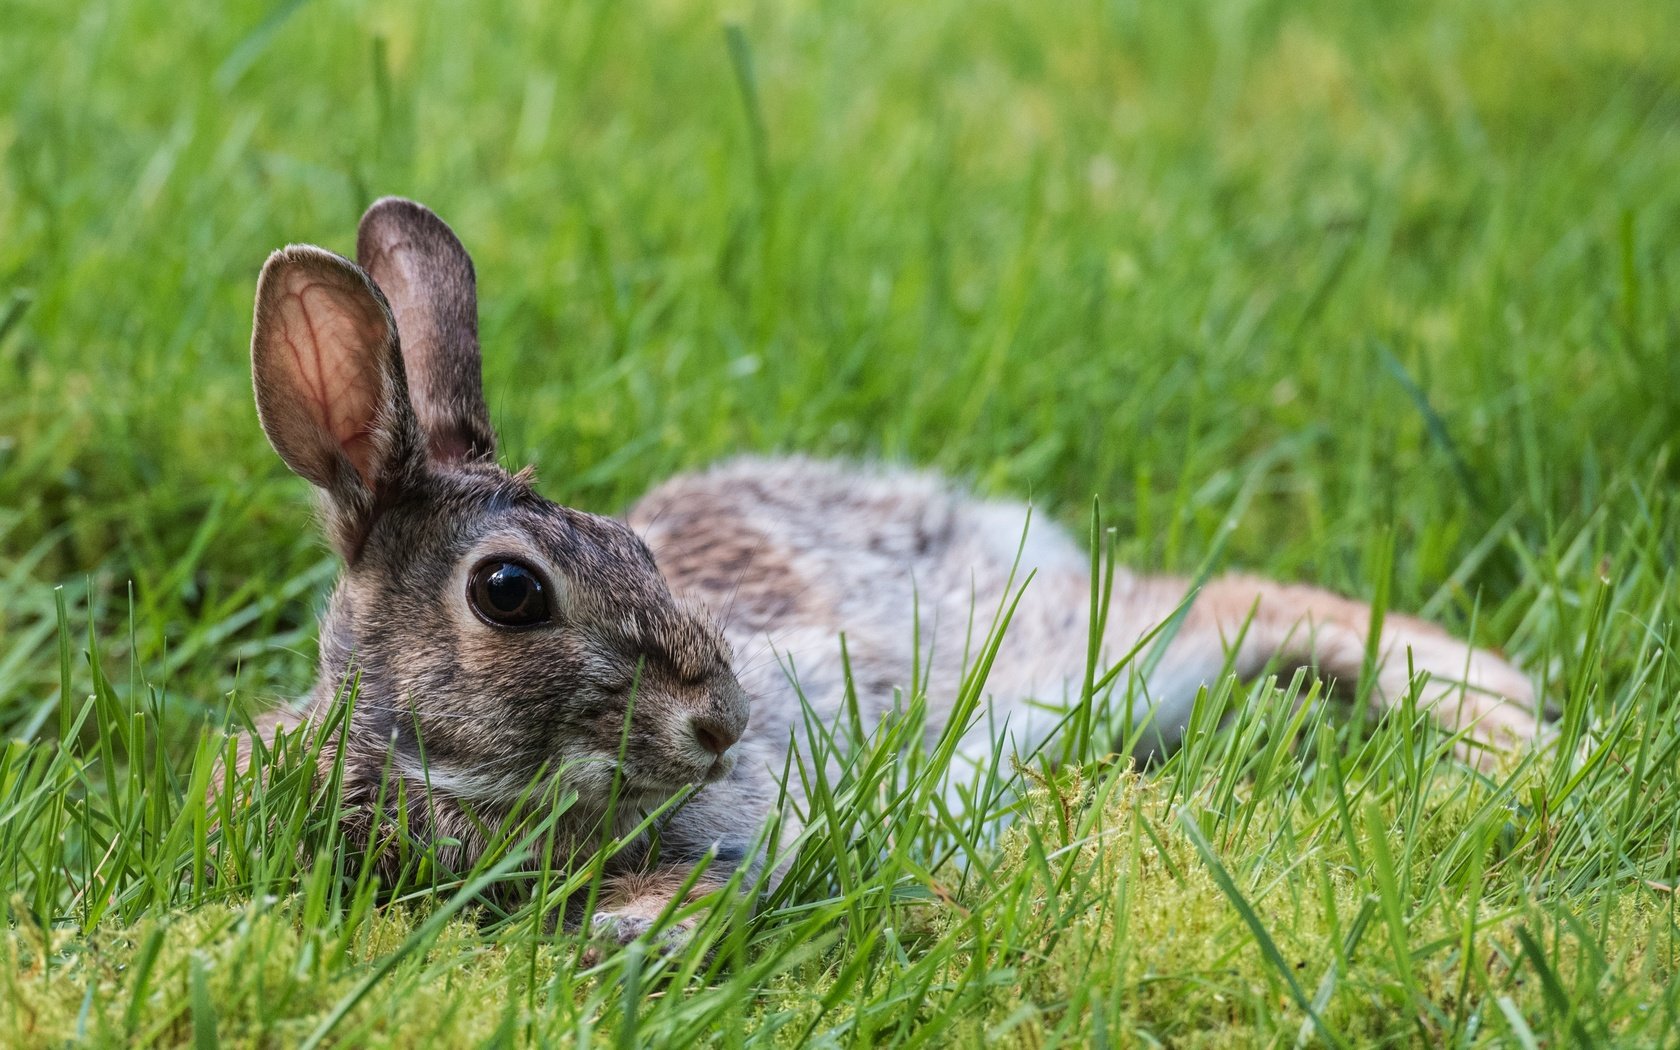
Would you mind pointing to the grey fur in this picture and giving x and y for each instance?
(789, 553)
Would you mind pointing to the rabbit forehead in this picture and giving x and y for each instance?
(609, 584)
(604, 573)
(599, 561)
(468, 511)
(601, 573)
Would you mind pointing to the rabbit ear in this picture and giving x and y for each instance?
(331, 395)
(420, 265)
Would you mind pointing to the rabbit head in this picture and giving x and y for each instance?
(493, 637)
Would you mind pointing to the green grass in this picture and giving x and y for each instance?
(1382, 296)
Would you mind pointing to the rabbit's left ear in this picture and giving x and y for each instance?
(328, 373)
(427, 275)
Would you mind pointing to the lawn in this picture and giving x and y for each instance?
(1379, 296)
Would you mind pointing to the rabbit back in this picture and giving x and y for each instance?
(792, 555)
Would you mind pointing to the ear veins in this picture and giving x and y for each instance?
(346, 398)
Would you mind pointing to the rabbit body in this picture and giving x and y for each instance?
(791, 554)
(494, 638)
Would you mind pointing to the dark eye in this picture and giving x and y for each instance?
(507, 594)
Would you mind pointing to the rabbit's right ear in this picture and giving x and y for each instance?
(328, 373)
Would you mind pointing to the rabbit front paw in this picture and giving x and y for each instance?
(611, 930)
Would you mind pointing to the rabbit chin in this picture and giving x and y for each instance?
(639, 780)
(595, 778)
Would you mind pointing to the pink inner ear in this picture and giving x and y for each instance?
(334, 348)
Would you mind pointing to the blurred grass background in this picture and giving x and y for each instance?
(1408, 268)
(1060, 249)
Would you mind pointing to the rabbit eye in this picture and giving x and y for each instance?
(507, 594)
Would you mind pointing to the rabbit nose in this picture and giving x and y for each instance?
(714, 734)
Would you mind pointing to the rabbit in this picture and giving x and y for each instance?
(495, 637)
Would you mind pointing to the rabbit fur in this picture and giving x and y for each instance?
(719, 591)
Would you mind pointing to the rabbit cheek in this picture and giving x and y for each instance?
(650, 761)
(681, 736)
(467, 715)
